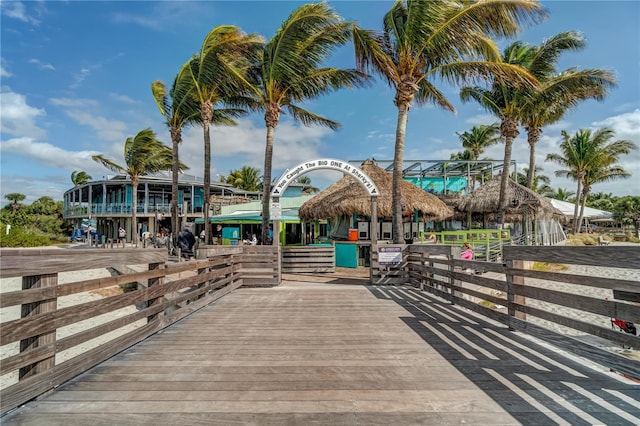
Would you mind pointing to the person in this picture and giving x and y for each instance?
(186, 241)
(254, 240)
(122, 235)
(467, 252)
(202, 235)
(431, 238)
(218, 234)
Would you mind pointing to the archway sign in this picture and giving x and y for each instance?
(324, 163)
(332, 164)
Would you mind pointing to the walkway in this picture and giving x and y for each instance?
(336, 354)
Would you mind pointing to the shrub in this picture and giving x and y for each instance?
(17, 237)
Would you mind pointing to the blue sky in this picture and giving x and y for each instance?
(76, 76)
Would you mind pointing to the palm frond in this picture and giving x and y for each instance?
(308, 118)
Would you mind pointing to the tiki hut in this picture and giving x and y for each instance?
(521, 201)
(347, 197)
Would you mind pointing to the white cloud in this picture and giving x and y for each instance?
(51, 155)
(122, 98)
(163, 15)
(110, 130)
(16, 10)
(17, 118)
(74, 102)
(3, 71)
(245, 145)
(42, 65)
(53, 186)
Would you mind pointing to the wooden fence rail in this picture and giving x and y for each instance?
(572, 310)
(47, 339)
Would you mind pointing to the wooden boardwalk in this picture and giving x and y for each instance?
(336, 353)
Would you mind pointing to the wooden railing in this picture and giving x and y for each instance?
(570, 303)
(66, 313)
(308, 259)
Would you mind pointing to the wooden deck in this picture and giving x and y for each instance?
(336, 353)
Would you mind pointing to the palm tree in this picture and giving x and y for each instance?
(586, 157)
(225, 53)
(426, 40)
(540, 183)
(309, 188)
(558, 91)
(247, 178)
(16, 198)
(480, 138)
(179, 109)
(561, 194)
(290, 71)
(503, 100)
(143, 154)
(79, 178)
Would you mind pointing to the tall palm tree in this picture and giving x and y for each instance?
(16, 198)
(79, 178)
(558, 92)
(143, 154)
(179, 110)
(426, 40)
(586, 156)
(290, 71)
(504, 101)
(247, 178)
(225, 53)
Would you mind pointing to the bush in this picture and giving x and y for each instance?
(582, 240)
(17, 237)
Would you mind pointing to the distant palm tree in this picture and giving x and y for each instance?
(247, 178)
(424, 41)
(143, 154)
(79, 178)
(179, 109)
(558, 92)
(480, 138)
(589, 157)
(309, 188)
(561, 194)
(16, 198)
(540, 183)
(290, 71)
(225, 53)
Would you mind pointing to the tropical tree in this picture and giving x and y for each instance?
(427, 40)
(16, 198)
(246, 178)
(589, 157)
(540, 183)
(480, 138)
(225, 53)
(143, 154)
(308, 187)
(79, 178)
(558, 92)
(179, 110)
(626, 211)
(290, 71)
(561, 194)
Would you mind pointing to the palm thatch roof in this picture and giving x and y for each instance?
(347, 197)
(520, 200)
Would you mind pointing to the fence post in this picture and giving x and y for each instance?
(36, 308)
(454, 253)
(151, 284)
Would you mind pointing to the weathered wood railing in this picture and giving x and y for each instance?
(308, 259)
(61, 312)
(573, 310)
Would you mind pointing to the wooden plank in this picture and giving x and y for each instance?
(26, 262)
(586, 280)
(627, 257)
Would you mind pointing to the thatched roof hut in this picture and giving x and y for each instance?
(520, 200)
(347, 197)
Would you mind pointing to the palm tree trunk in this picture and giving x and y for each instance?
(266, 185)
(533, 137)
(207, 115)
(176, 137)
(576, 225)
(398, 160)
(134, 215)
(509, 129)
(583, 202)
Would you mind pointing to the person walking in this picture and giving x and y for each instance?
(186, 241)
(122, 236)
